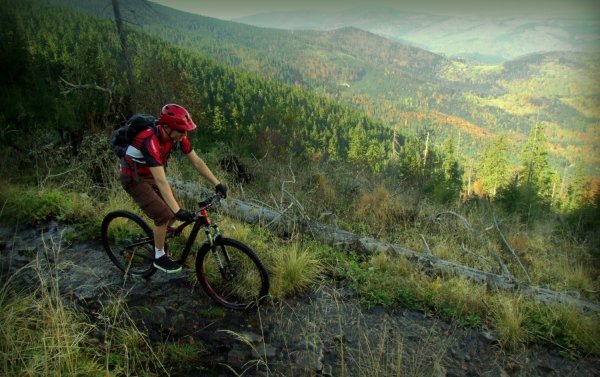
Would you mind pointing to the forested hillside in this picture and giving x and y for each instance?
(61, 47)
(406, 87)
(400, 102)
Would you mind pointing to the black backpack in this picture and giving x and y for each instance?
(123, 136)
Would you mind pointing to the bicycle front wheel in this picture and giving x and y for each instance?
(232, 274)
(129, 242)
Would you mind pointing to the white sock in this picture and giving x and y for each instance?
(158, 253)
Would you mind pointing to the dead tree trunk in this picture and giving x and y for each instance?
(126, 58)
(256, 214)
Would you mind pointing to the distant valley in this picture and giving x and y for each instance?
(480, 38)
(409, 87)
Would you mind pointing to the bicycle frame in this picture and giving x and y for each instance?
(229, 271)
(211, 230)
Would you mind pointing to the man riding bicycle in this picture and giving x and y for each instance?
(143, 175)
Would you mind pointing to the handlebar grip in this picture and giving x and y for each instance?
(210, 201)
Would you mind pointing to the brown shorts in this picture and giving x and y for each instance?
(147, 195)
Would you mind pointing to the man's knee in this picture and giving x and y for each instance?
(164, 218)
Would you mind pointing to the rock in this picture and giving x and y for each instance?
(252, 337)
(327, 371)
(439, 370)
(489, 336)
(236, 357)
(157, 316)
(177, 321)
(308, 362)
(266, 351)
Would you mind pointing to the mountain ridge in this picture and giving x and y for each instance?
(393, 80)
(501, 38)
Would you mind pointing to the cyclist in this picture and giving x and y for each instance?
(143, 176)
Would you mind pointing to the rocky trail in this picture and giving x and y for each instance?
(324, 332)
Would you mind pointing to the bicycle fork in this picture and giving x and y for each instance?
(213, 234)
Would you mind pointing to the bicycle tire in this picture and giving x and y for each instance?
(247, 280)
(129, 243)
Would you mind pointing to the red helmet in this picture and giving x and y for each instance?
(176, 117)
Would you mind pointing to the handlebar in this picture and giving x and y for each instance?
(207, 203)
(210, 202)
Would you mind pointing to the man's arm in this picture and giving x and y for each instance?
(202, 168)
(160, 178)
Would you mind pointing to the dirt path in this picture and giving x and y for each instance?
(324, 332)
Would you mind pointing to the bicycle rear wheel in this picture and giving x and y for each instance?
(129, 243)
(232, 274)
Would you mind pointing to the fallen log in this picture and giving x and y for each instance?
(255, 213)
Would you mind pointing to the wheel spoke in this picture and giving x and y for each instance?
(128, 242)
(241, 282)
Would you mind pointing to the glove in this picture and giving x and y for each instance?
(221, 189)
(183, 215)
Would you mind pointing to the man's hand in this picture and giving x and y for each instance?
(183, 215)
(221, 189)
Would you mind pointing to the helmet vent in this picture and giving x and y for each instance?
(177, 117)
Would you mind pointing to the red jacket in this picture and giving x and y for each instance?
(149, 150)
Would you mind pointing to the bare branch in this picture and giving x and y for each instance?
(253, 213)
(504, 268)
(476, 255)
(426, 245)
(505, 242)
(71, 87)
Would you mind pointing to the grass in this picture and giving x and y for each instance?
(390, 282)
(567, 328)
(509, 319)
(297, 265)
(40, 337)
(26, 205)
(294, 269)
(41, 334)
(259, 362)
(355, 344)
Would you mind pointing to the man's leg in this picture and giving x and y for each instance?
(163, 261)
(155, 208)
(160, 234)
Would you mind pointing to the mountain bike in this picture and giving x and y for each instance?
(229, 272)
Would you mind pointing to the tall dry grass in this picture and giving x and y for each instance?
(41, 334)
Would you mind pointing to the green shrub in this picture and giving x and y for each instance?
(34, 206)
(568, 327)
(293, 270)
(42, 335)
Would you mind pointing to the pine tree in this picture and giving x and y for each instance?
(411, 161)
(577, 188)
(333, 147)
(494, 166)
(219, 122)
(534, 160)
(375, 156)
(357, 147)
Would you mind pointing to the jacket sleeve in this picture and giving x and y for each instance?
(151, 152)
(185, 145)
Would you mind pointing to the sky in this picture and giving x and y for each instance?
(230, 9)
